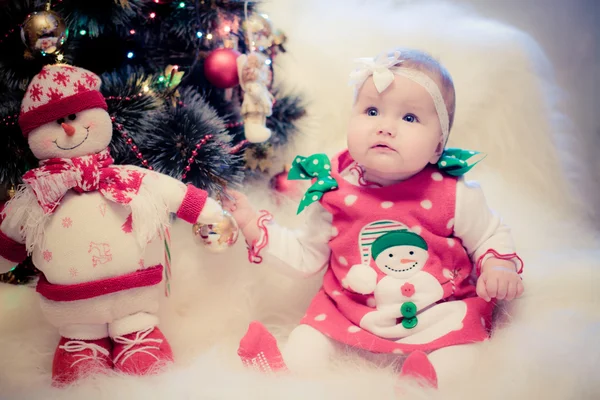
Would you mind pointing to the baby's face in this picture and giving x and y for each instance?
(394, 134)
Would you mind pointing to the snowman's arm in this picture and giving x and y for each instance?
(12, 249)
(303, 251)
(187, 201)
(361, 279)
(481, 230)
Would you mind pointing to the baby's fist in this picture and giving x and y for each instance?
(499, 280)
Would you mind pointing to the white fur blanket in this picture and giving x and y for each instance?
(508, 106)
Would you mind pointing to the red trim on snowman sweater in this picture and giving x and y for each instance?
(510, 257)
(11, 250)
(54, 110)
(192, 204)
(87, 290)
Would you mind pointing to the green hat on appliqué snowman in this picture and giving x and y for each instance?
(397, 251)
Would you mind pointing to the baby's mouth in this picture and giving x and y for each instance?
(382, 146)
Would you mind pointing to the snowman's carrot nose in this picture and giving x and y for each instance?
(69, 129)
(407, 261)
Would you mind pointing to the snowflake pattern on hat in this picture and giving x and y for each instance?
(55, 82)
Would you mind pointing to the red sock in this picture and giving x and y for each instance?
(417, 365)
(258, 349)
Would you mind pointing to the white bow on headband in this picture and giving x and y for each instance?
(384, 67)
(380, 68)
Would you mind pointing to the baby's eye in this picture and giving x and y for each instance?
(410, 118)
(372, 112)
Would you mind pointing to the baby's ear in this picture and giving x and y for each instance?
(438, 153)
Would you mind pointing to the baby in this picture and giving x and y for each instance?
(415, 258)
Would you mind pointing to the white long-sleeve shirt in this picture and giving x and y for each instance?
(305, 250)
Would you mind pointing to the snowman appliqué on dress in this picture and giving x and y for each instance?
(405, 298)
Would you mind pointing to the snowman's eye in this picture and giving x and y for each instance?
(60, 121)
(391, 255)
(411, 252)
(72, 117)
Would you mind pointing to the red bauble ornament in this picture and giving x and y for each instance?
(220, 68)
(284, 186)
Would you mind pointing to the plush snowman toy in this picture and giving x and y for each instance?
(94, 229)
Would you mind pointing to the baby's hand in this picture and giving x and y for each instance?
(240, 208)
(499, 279)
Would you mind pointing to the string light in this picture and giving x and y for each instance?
(268, 61)
(152, 15)
(130, 54)
(82, 32)
(199, 34)
(132, 32)
(146, 88)
(181, 5)
(209, 36)
(59, 57)
(227, 29)
(127, 98)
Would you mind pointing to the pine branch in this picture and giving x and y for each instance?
(15, 156)
(286, 111)
(169, 146)
(132, 107)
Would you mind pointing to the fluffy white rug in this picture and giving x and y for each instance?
(508, 106)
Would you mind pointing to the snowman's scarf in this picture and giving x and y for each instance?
(45, 186)
(56, 176)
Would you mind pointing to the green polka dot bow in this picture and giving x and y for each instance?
(457, 162)
(315, 167)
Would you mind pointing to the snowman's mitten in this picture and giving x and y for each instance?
(211, 213)
(361, 279)
(196, 206)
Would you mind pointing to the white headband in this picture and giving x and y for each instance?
(382, 68)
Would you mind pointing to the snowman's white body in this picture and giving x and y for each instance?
(86, 239)
(89, 238)
(434, 320)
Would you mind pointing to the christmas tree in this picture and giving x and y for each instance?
(170, 75)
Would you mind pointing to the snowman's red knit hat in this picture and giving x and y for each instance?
(57, 91)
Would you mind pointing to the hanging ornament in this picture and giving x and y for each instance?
(262, 28)
(220, 236)
(43, 32)
(280, 183)
(173, 75)
(265, 38)
(11, 191)
(258, 157)
(257, 104)
(220, 68)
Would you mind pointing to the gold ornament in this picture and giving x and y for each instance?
(220, 236)
(11, 192)
(43, 32)
(259, 157)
